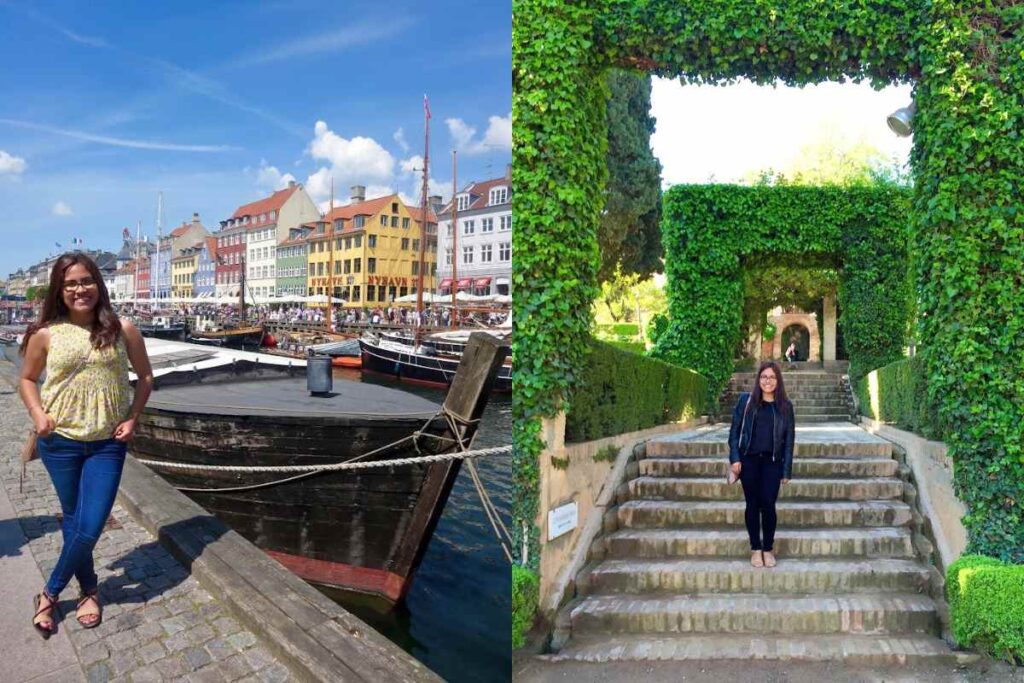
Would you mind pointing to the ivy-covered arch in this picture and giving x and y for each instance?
(710, 231)
(967, 229)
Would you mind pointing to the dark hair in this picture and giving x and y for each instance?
(106, 327)
(780, 387)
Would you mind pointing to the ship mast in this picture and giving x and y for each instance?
(423, 218)
(455, 243)
(330, 262)
(155, 271)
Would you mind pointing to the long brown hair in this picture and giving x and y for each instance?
(106, 327)
(780, 387)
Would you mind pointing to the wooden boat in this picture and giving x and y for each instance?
(163, 328)
(420, 364)
(249, 336)
(361, 530)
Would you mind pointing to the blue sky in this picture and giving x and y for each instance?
(218, 103)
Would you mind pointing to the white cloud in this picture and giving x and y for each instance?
(356, 161)
(11, 165)
(270, 178)
(399, 137)
(413, 164)
(498, 135)
(62, 209)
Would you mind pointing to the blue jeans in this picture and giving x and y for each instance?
(86, 475)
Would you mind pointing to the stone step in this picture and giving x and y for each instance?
(754, 613)
(737, 576)
(859, 542)
(732, 397)
(802, 468)
(663, 514)
(667, 447)
(850, 649)
(668, 488)
(818, 419)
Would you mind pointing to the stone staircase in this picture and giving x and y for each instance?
(670, 577)
(817, 395)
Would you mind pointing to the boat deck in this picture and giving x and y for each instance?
(288, 397)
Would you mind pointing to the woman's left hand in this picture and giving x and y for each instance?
(785, 481)
(125, 431)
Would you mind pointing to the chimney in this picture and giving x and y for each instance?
(195, 219)
(434, 202)
(291, 184)
(358, 193)
(508, 171)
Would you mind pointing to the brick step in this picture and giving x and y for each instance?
(720, 543)
(706, 447)
(667, 488)
(663, 514)
(850, 649)
(754, 613)
(831, 468)
(737, 576)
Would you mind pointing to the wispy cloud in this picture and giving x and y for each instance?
(62, 209)
(354, 35)
(91, 41)
(117, 142)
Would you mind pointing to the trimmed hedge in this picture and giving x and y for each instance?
(525, 594)
(634, 347)
(619, 329)
(986, 605)
(615, 394)
(900, 397)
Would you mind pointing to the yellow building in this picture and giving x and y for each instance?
(375, 251)
(183, 272)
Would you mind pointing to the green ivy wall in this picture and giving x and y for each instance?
(967, 232)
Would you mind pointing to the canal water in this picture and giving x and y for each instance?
(457, 616)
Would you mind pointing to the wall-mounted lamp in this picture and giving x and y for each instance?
(901, 121)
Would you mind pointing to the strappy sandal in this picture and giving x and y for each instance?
(769, 559)
(51, 626)
(82, 618)
(756, 559)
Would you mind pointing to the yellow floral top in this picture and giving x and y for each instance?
(98, 397)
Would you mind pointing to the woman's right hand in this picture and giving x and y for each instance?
(44, 424)
(736, 467)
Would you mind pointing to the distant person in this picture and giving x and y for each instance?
(791, 353)
(761, 456)
(83, 417)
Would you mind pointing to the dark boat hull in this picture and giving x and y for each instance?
(362, 530)
(416, 368)
(250, 338)
(175, 333)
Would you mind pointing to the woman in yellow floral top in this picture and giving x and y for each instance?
(84, 417)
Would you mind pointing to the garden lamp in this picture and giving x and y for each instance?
(901, 121)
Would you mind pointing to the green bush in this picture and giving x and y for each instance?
(628, 346)
(769, 331)
(525, 594)
(622, 392)
(986, 605)
(656, 326)
(901, 398)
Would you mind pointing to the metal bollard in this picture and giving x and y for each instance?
(319, 380)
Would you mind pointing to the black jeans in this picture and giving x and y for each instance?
(761, 479)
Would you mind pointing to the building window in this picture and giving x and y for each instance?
(371, 265)
(467, 254)
(339, 223)
(382, 293)
(371, 241)
(371, 290)
(405, 243)
(359, 221)
(415, 267)
(405, 223)
(384, 220)
(273, 215)
(359, 241)
(462, 201)
(394, 221)
(320, 268)
(505, 223)
(447, 257)
(486, 225)
(505, 251)
(415, 245)
(357, 265)
(348, 242)
(499, 195)
(468, 227)
(348, 266)
(485, 253)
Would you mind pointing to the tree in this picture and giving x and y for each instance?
(618, 296)
(629, 233)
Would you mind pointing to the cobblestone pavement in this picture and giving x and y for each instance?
(159, 624)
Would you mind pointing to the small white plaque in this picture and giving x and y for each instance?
(562, 520)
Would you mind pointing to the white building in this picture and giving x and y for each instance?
(483, 243)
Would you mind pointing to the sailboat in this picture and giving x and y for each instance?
(238, 335)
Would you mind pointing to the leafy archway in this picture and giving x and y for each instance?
(967, 232)
(710, 232)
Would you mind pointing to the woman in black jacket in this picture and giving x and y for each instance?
(761, 455)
